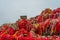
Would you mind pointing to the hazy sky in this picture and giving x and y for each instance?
(10, 10)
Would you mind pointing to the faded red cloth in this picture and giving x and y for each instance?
(39, 19)
(22, 23)
(57, 27)
(10, 31)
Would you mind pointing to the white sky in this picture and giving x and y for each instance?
(11, 10)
